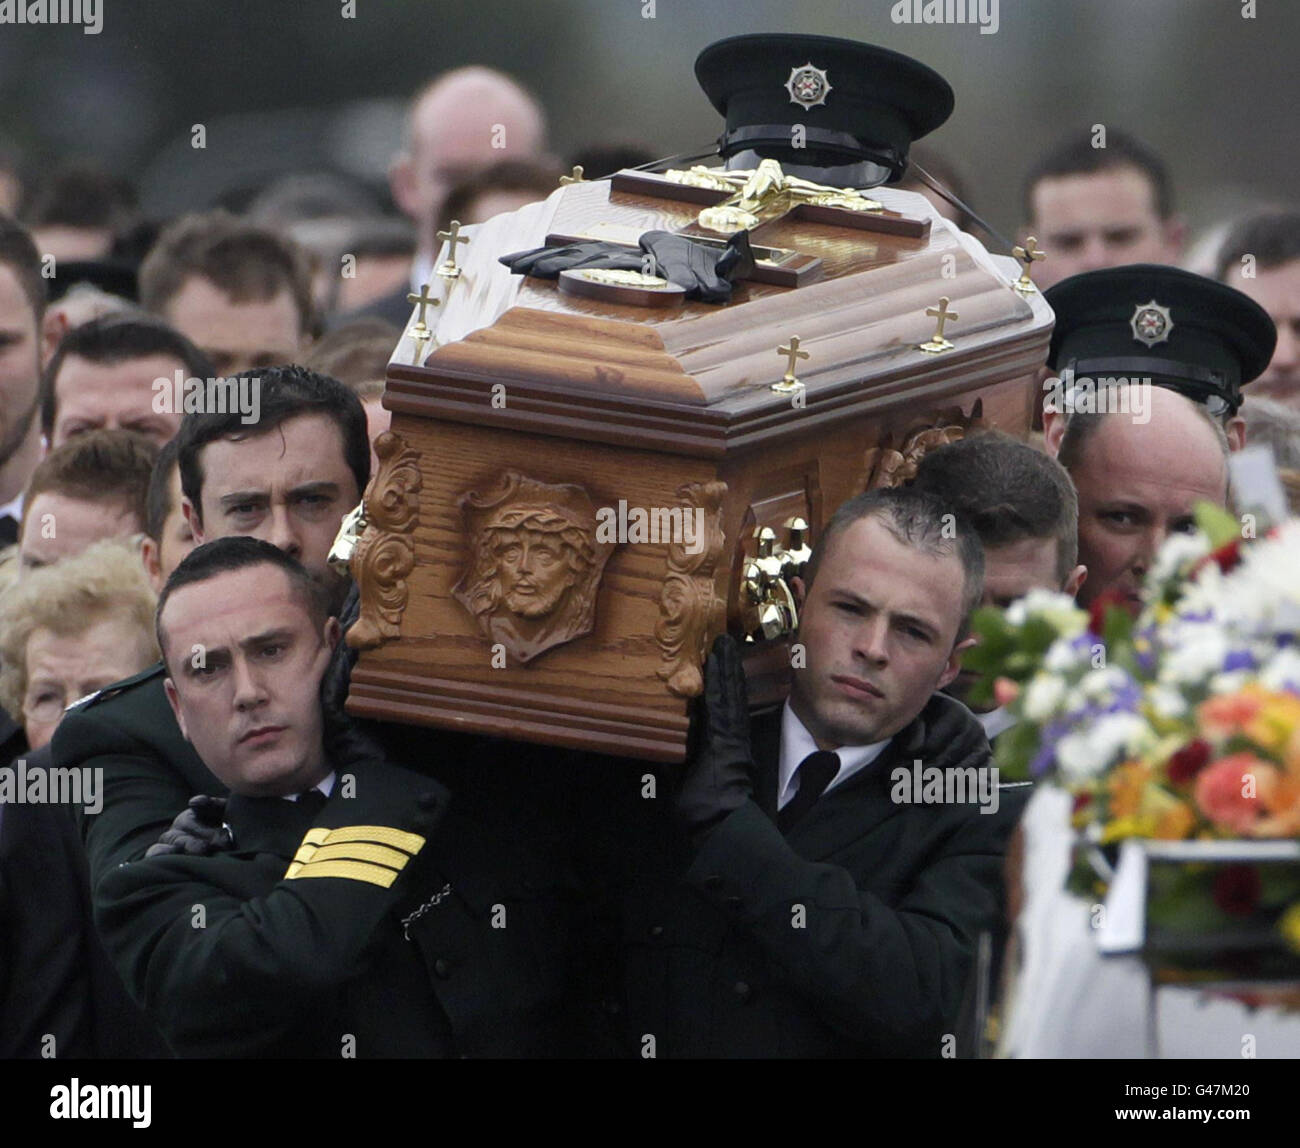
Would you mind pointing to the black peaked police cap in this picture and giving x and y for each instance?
(1185, 332)
(855, 101)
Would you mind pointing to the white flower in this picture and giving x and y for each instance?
(1088, 752)
(1166, 702)
(1064, 657)
(1059, 609)
(1230, 683)
(1043, 697)
(1100, 685)
(1282, 670)
(1178, 549)
(1194, 653)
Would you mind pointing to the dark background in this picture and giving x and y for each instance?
(291, 84)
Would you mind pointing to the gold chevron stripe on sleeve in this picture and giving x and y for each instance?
(359, 851)
(410, 843)
(349, 870)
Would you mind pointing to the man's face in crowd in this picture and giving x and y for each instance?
(1137, 485)
(1278, 291)
(94, 396)
(879, 626)
(162, 555)
(20, 364)
(237, 337)
(1099, 219)
(57, 526)
(289, 486)
(245, 660)
(458, 129)
(63, 668)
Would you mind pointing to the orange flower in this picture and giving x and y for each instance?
(1276, 723)
(1175, 823)
(1126, 784)
(1221, 717)
(1231, 791)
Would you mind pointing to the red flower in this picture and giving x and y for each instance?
(1189, 761)
(1236, 890)
(1226, 557)
(1109, 599)
(1081, 802)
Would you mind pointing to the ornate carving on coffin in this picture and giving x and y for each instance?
(534, 564)
(384, 555)
(889, 465)
(688, 607)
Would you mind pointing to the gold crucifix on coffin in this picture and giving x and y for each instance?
(734, 201)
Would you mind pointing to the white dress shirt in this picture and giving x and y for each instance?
(325, 785)
(797, 743)
(996, 721)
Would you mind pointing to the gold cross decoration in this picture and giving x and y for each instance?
(788, 381)
(449, 270)
(420, 330)
(941, 315)
(576, 177)
(1028, 255)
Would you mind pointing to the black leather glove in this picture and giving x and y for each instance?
(548, 262)
(706, 272)
(719, 777)
(198, 831)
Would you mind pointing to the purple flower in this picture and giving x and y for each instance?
(1239, 660)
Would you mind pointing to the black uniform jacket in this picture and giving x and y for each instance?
(852, 936)
(388, 925)
(150, 771)
(59, 996)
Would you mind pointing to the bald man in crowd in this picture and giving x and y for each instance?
(461, 122)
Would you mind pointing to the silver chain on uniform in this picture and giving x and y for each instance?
(434, 901)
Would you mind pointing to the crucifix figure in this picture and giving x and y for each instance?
(449, 270)
(1027, 255)
(420, 330)
(576, 177)
(941, 315)
(788, 381)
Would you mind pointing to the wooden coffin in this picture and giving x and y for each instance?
(492, 597)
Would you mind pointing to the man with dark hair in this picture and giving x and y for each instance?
(839, 866)
(94, 487)
(106, 373)
(167, 534)
(1024, 509)
(1020, 503)
(505, 186)
(1100, 200)
(1261, 258)
(288, 479)
(418, 937)
(26, 343)
(77, 213)
(240, 292)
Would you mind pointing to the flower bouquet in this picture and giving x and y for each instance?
(1181, 724)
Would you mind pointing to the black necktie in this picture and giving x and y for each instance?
(815, 773)
(8, 530)
(311, 802)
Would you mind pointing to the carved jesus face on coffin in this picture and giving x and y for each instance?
(535, 564)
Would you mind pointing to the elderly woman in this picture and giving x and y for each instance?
(65, 630)
(71, 628)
